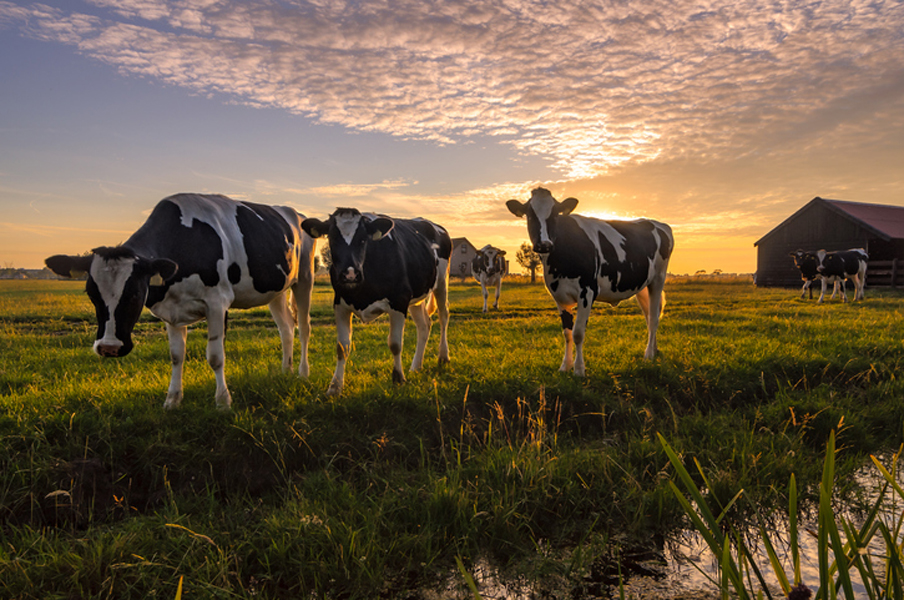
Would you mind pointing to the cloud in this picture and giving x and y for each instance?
(590, 86)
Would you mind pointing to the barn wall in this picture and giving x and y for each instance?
(460, 261)
(815, 228)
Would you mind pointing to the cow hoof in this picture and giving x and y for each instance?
(173, 401)
(224, 402)
(398, 377)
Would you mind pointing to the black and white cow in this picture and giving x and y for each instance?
(383, 265)
(586, 259)
(488, 267)
(194, 258)
(835, 268)
(808, 265)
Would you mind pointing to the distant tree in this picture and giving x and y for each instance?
(529, 260)
(717, 272)
(700, 272)
(325, 257)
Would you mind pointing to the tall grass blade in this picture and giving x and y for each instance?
(468, 579)
(792, 529)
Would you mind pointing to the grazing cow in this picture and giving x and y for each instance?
(383, 265)
(488, 267)
(194, 258)
(586, 259)
(833, 267)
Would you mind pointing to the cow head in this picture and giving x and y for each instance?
(542, 212)
(808, 263)
(117, 285)
(491, 259)
(348, 233)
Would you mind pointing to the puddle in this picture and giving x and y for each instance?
(685, 568)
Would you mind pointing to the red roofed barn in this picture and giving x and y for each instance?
(835, 225)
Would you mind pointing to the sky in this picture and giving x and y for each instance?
(718, 117)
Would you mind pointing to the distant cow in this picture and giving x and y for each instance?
(808, 264)
(488, 267)
(194, 258)
(383, 265)
(586, 259)
(833, 267)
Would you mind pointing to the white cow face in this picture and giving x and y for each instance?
(117, 285)
(349, 233)
(491, 259)
(542, 212)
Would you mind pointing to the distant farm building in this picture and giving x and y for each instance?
(835, 225)
(463, 252)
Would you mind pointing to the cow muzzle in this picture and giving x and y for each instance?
(350, 277)
(543, 247)
(106, 349)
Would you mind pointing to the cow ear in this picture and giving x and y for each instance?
(69, 266)
(162, 270)
(516, 208)
(379, 227)
(315, 227)
(500, 253)
(567, 205)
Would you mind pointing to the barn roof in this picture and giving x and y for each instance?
(882, 220)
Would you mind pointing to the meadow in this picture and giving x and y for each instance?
(494, 459)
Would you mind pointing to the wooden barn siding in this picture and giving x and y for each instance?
(815, 228)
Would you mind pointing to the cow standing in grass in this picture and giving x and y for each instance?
(194, 258)
(586, 259)
(488, 268)
(383, 265)
(808, 265)
(835, 268)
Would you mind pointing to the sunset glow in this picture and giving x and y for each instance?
(719, 118)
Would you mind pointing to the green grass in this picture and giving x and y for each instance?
(497, 457)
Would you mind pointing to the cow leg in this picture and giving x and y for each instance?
(177, 336)
(343, 347)
(486, 293)
(568, 332)
(285, 323)
(580, 328)
(396, 334)
(421, 317)
(803, 290)
(302, 292)
(441, 295)
(498, 292)
(859, 284)
(823, 293)
(216, 355)
(651, 300)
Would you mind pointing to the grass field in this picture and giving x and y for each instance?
(496, 458)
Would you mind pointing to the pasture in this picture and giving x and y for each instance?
(497, 458)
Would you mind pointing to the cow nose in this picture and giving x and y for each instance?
(107, 350)
(543, 247)
(350, 275)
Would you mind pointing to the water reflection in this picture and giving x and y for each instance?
(684, 568)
